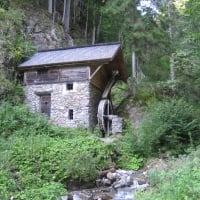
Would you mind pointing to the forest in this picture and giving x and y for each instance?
(161, 46)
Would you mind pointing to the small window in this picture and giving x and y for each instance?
(43, 74)
(69, 86)
(71, 114)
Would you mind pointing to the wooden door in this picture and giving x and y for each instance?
(45, 103)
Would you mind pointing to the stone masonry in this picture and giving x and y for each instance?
(83, 100)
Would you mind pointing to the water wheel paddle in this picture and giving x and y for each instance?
(105, 109)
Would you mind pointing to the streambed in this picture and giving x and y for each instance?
(113, 185)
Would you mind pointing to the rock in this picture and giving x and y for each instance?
(141, 181)
(37, 29)
(106, 182)
(102, 197)
(142, 187)
(104, 172)
(112, 176)
(82, 195)
(125, 181)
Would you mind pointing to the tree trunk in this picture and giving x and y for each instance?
(66, 15)
(172, 70)
(86, 23)
(98, 27)
(54, 10)
(94, 35)
(74, 13)
(50, 6)
(94, 24)
(134, 67)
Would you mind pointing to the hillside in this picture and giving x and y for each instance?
(159, 102)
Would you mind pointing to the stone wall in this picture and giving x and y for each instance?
(62, 100)
(117, 124)
(95, 96)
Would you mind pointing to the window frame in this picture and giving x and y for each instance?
(71, 114)
(70, 86)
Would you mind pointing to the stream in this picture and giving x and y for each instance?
(119, 194)
(113, 185)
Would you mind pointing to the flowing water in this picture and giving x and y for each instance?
(126, 193)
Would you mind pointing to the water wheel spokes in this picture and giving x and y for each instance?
(104, 111)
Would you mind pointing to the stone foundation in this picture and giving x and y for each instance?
(117, 124)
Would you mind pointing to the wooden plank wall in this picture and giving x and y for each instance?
(73, 74)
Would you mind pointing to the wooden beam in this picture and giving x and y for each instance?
(95, 72)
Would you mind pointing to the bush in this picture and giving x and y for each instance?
(48, 190)
(19, 120)
(126, 148)
(171, 125)
(41, 160)
(4, 4)
(33, 165)
(182, 181)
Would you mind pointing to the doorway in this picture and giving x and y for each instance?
(45, 104)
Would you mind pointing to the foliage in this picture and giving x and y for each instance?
(39, 163)
(182, 181)
(48, 190)
(119, 94)
(10, 91)
(145, 35)
(170, 125)
(4, 4)
(18, 120)
(16, 45)
(41, 160)
(127, 158)
(145, 91)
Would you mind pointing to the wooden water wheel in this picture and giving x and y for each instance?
(105, 108)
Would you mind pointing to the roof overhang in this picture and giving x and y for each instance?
(109, 54)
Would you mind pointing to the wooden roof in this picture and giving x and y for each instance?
(98, 53)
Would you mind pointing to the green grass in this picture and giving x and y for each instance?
(180, 182)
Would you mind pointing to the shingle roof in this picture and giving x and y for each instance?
(81, 54)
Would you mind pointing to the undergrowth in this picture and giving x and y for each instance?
(41, 161)
(181, 181)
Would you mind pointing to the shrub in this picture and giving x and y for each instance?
(18, 120)
(48, 190)
(170, 125)
(143, 91)
(35, 164)
(182, 181)
(4, 4)
(126, 148)
(7, 185)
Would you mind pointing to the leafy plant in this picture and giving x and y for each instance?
(182, 181)
(4, 4)
(126, 148)
(19, 120)
(16, 43)
(41, 160)
(170, 125)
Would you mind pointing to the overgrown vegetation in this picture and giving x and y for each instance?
(180, 181)
(38, 160)
(41, 161)
(170, 125)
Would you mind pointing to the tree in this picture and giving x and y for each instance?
(144, 34)
(50, 6)
(188, 56)
(66, 14)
